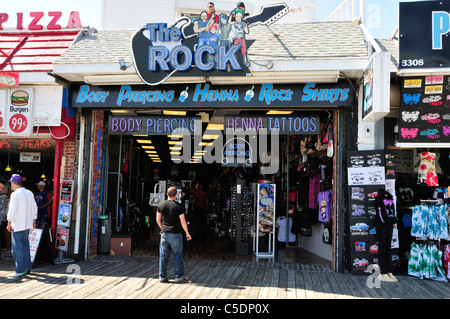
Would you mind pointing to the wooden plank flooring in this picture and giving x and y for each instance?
(135, 277)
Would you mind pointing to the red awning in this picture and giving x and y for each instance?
(33, 51)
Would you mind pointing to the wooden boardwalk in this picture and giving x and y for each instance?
(134, 277)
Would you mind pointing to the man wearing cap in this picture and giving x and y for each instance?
(44, 200)
(22, 213)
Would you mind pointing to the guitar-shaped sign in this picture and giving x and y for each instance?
(189, 49)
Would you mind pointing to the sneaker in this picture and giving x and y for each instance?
(15, 275)
(163, 280)
(393, 278)
(181, 280)
(386, 278)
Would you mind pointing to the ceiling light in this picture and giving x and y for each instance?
(180, 113)
(212, 126)
(122, 111)
(172, 136)
(273, 112)
(175, 143)
(144, 141)
(210, 137)
(148, 147)
(151, 152)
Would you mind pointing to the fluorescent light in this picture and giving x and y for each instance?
(212, 126)
(151, 152)
(180, 113)
(172, 136)
(210, 137)
(175, 143)
(272, 112)
(144, 141)
(148, 147)
(122, 111)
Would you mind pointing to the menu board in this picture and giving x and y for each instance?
(425, 111)
(34, 238)
(366, 176)
(66, 191)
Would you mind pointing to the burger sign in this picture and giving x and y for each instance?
(19, 120)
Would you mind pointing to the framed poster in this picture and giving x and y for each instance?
(62, 239)
(66, 191)
(64, 213)
(265, 217)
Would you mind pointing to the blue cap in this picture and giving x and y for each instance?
(16, 178)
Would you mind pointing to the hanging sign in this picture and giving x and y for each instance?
(287, 124)
(26, 157)
(424, 40)
(20, 105)
(152, 125)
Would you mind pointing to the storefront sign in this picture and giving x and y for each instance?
(152, 125)
(283, 124)
(214, 46)
(39, 19)
(27, 144)
(377, 87)
(277, 95)
(20, 106)
(424, 116)
(424, 34)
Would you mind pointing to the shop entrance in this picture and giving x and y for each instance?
(141, 166)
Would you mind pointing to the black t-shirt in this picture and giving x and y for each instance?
(171, 211)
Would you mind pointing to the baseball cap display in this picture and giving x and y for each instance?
(16, 178)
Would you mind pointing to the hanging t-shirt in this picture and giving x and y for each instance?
(427, 169)
(314, 189)
(325, 207)
(282, 230)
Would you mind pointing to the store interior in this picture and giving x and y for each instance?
(32, 158)
(139, 166)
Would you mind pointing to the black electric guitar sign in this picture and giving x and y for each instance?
(214, 46)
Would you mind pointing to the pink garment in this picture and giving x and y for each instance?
(314, 190)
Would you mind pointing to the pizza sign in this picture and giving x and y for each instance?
(18, 120)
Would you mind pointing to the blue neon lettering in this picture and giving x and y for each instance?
(158, 55)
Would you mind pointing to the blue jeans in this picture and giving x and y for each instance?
(20, 248)
(171, 243)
